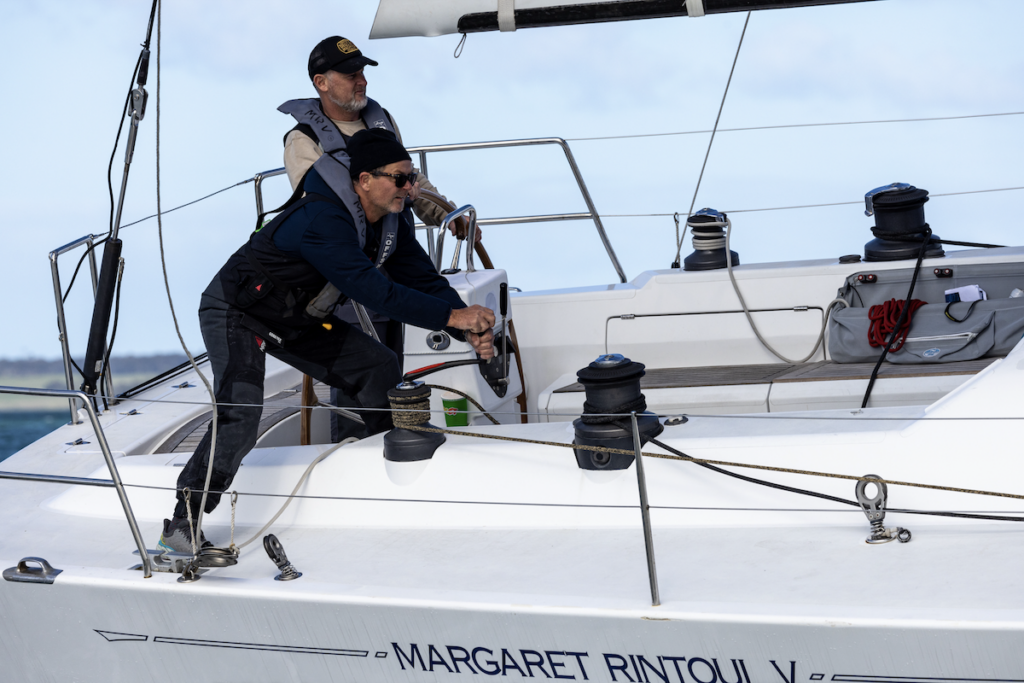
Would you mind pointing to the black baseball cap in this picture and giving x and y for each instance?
(337, 54)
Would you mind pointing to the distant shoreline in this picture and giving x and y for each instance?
(127, 371)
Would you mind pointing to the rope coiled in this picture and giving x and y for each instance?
(884, 318)
(410, 408)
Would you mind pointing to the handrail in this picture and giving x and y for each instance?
(424, 150)
(258, 183)
(592, 210)
(115, 478)
(62, 324)
(471, 236)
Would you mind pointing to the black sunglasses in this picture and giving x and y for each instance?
(400, 178)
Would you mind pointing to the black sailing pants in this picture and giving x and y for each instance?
(343, 357)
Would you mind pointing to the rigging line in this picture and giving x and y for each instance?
(117, 140)
(182, 206)
(158, 6)
(804, 206)
(688, 458)
(721, 106)
(78, 267)
(603, 215)
(962, 514)
(823, 496)
(747, 416)
(798, 125)
(842, 510)
(402, 500)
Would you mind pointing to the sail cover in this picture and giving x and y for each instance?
(401, 18)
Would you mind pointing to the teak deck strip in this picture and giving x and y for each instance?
(821, 371)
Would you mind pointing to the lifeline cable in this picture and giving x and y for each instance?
(610, 506)
(194, 201)
(687, 458)
(798, 125)
(740, 416)
(468, 398)
(859, 202)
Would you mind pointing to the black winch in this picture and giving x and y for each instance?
(612, 383)
(707, 227)
(410, 402)
(899, 224)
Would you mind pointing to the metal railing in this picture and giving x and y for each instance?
(258, 184)
(115, 479)
(591, 209)
(466, 210)
(62, 324)
(422, 152)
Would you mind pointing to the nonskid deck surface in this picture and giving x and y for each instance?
(276, 408)
(821, 371)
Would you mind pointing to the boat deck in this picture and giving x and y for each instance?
(276, 409)
(771, 373)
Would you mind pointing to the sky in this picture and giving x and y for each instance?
(226, 66)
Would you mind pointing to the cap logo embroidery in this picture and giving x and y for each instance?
(346, 46)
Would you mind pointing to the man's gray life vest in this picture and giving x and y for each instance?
(333, 167)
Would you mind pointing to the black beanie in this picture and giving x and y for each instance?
(372, 148)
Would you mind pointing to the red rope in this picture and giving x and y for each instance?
(883, 321)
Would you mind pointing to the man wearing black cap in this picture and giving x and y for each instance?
(336, 69)
(267, 298)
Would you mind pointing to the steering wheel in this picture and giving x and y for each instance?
(461, 232)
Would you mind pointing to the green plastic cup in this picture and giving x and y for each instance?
(455, 409)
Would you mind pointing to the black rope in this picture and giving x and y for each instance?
(74, 275)
(824, 496)
(933, 240)
(592, 415)
(149, 383)
(927, 232)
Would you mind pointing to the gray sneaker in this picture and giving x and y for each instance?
(177, 537)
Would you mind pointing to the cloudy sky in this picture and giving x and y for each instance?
(227, 65)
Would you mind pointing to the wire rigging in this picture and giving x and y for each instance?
(721, 106)
(798, 125)
(859, 202)
(117, 140)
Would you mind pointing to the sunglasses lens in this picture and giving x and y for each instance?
(402, 178)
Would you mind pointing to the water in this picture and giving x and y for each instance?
(19, 429)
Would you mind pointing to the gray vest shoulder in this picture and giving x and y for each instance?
(308, 111)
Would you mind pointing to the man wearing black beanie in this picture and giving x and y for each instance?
(278, 292)
(325, 125)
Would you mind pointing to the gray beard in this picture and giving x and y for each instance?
(354, 105)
